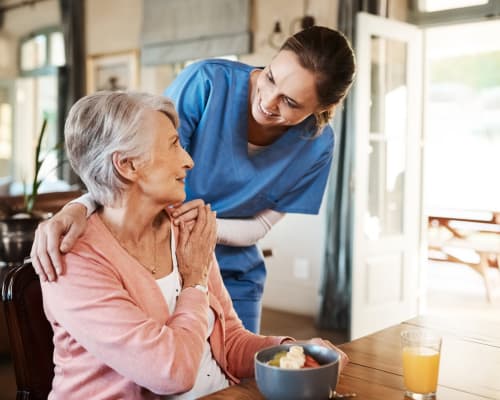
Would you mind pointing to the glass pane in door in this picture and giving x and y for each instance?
(388, 132)
(462, 143)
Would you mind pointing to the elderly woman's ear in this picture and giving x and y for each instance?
(125, 167)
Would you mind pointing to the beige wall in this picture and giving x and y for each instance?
(21, 21)
(266, 12)
(112, 25)
(8, 56)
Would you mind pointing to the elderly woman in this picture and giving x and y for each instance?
(142, 310)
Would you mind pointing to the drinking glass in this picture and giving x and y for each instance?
(421, 353)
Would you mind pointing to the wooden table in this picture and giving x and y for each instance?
(470, 363)
(478, 232)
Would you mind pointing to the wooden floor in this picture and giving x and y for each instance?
(299, 327)
(273, 323)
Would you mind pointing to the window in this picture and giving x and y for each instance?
(462, 102)
(439, 5)
(34, 53)
(56, 51)
(462, 116)
(35, 94)
(41, 51)
(439, 12)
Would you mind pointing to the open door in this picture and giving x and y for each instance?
(387, 177)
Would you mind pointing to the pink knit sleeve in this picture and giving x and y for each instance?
(240, 344)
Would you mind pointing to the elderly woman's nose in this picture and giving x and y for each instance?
(189, 163)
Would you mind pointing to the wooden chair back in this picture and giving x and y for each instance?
(30, 334)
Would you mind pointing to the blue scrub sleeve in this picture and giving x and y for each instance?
(189, 92)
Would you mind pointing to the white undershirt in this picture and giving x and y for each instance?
(243, 232)
(253, 149)
(210, 377)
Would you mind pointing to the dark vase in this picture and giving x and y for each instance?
(17, 236)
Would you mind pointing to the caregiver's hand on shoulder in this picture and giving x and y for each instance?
(55, 236)
(196, 246)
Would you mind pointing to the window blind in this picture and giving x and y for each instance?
(180, 30)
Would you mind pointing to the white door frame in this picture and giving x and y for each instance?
(372, 257)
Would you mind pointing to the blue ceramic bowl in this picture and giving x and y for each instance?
(300, 384)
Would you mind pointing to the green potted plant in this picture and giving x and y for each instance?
(18, 224)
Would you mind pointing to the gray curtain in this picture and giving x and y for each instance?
(72, 15)
(336, 276)
(180, 30)
(71, 77)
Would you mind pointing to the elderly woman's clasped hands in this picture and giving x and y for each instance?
(196, 247)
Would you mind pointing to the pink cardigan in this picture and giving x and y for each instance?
(115, 338)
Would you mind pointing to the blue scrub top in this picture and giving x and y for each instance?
(290, 175)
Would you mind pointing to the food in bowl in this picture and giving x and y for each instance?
(276, 383)
(294, 358)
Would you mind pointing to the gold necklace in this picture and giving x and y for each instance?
(154, 268)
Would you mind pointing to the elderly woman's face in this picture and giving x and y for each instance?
(162, 177)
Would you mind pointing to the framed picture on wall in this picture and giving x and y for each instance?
(113, 71)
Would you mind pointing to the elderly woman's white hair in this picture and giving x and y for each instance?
(103, 123)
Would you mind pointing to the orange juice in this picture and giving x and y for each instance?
(420, 369)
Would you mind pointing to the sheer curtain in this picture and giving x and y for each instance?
(336, 276)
